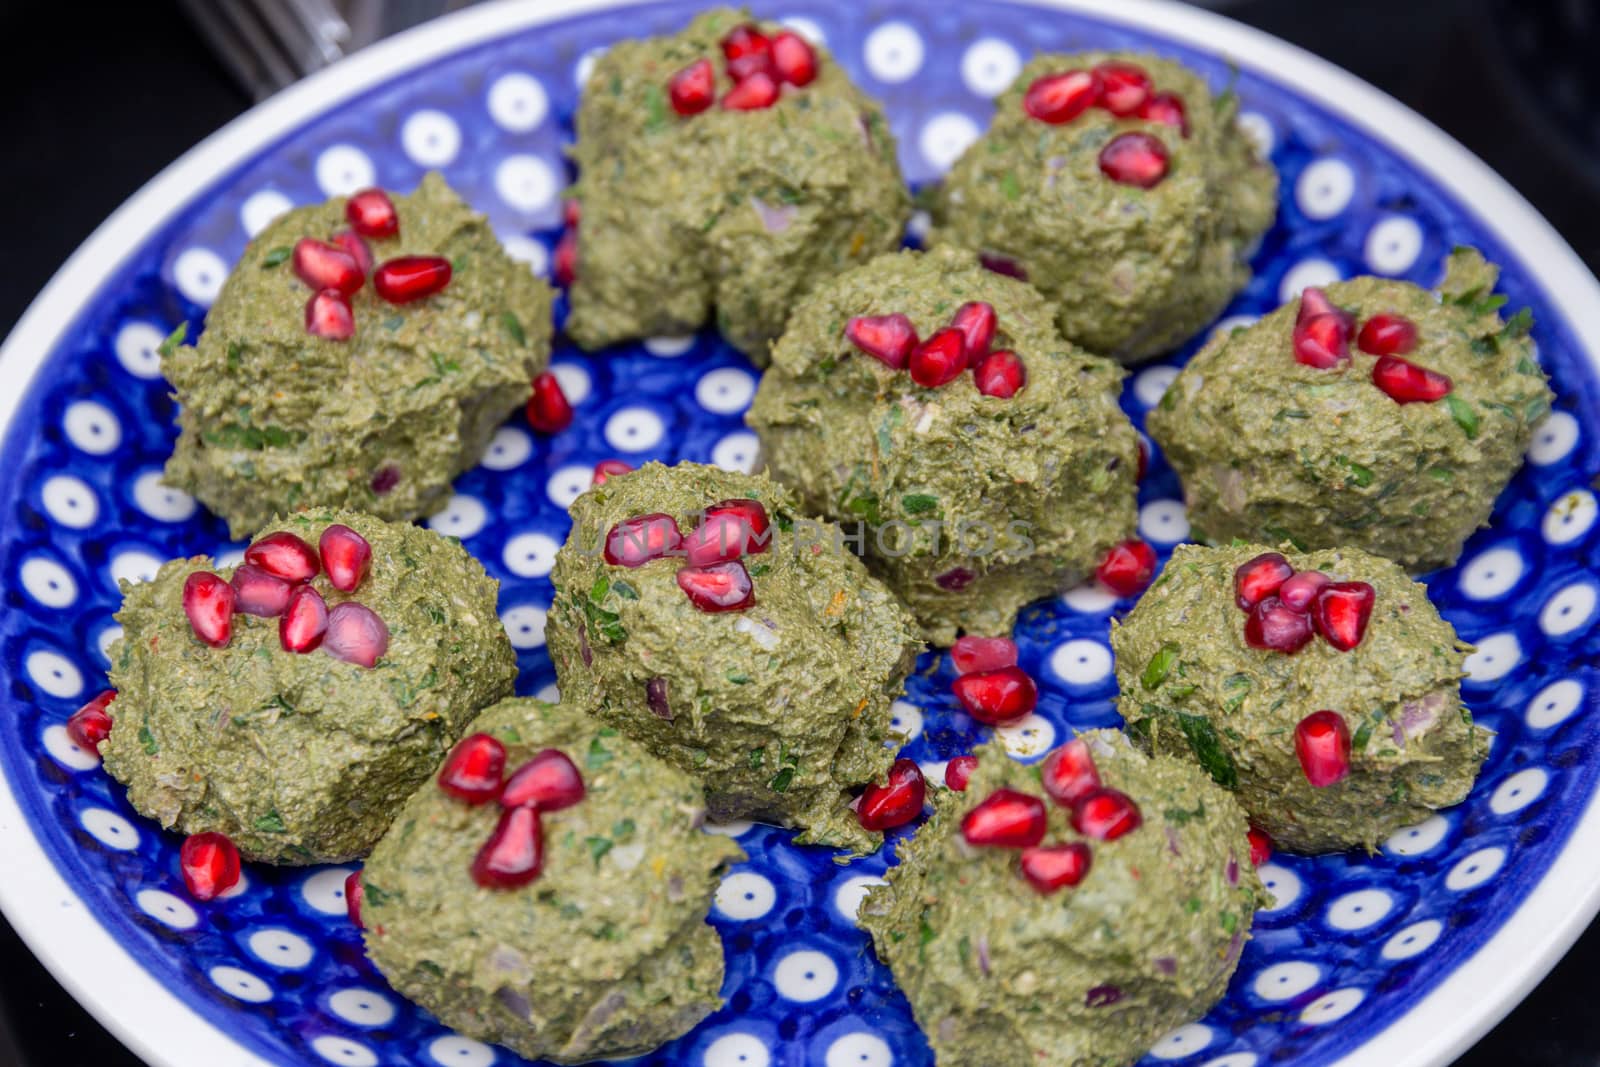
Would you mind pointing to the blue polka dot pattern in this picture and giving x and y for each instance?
(1350, 942)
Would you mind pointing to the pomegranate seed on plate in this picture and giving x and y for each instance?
(565, 270)
(325, 266)
(977, 321)
(328, 315)
(1124, 87)
(208, 601)
(959, 771)
(1051, 867)
(718, 586)
(411, 278)
(285, 555)
(794, 59)
(355, 246)
(747, 51)
(1256, 579)
(1260, 847)
(1387, 334)
(1298, 592)
(940, 359)
(548, 408)
(1059, 98)
(355, 634)
(756, 92)
(1407, 383)
(889, 339)
(354, 894)
(1322, 744)
(1341, 611)
(1105, 814)
(1273, 626)
(258, 593)
(639, 540)
(346, 555)
(513, 854)
(973, 654)
(209, 863)
(1136, 159)
(549, 781)
(883, 807)
(1001, 374)
(474, 770)
(304, 621)
(999, 696)
(731, 529)
(372, 214)
(91, 724)
(1168, 110)
(692, 89)
(1069, 773)
(1127, 568)
(1005, 819)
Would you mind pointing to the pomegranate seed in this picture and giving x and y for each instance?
(571, 211)
(1127, 568)
(1407, 383)
(549, 781)
(548, 408)
(355, 634)
(411, 278)
(346, 555)
(1276, 627)
(1059, 98)
(1260, 847)
(1001, 374)
(353, 897)
(1256, 579)
(974, 654)
(1168, 110)
(998, 696)
(255, 592)
(355, 246)
(1144, 459)
(637, 541)
(91, 724)
(889, 339)
(1051, 867)
(1300, 590)
(1124, 87)
(693, 88)
(883, 807)
(1069, 773)
(607, 469)
(959, 771)
(1323, 342)
(731, 529)
(384, 479)
(1105, 814)
(747, 50)
(1322, 744)
(565, 270)
(1314, 302)
(474, 770)
(208, 602)
(304, 621)
(756, 92)
(328, 316)
(1341, 611)
(1387, 334)
(1005, 819)
(372, 214)
(1005, 265)
(794, 59)
(513, 854)
(940, 359)
(284, 555)
(210, 864)
(325, 266)
(718, 586)
(977, 321)
(1134, 159)
(954, 580)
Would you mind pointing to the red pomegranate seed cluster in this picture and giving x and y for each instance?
(474, 773)
(1322, 334)
(713, 576)
(336, 270)
(91, 724)
(1260, 847)
(1123, 89)
(209, 863)
(759, 65)
(990, 685)
(1127, 568)
(1286, 608)
(963, 344)
(883, 807)
(1011, 819)
(274, 581)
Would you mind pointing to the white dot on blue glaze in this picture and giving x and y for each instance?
(281, 948)
(530, 555)
(54, 673)
(737, 452)
(1554, 704)
(1029, 737)
(989, 66)
(634, 429)
(1285, 981)
(568, 484)
(69, 501)
(260, 209)
(725, 391)
(1412, 940)
(851, 892)
(517, 102)
(807, 28)
(109, 828)
(1518, 791)
(745, 895)
(324, 891)
(1151, 384)
(732, 828)
(362, 1007)
(859, 1049)
(805, 976)
(1331, 1007)
(343, 1051)
(108, 637)
(241, 985)
(550, 693)
(1090, 598)
(945, 137)
(508, 449)
(1259, 129)
(1282, 885)
(1416, 840)
(199, 273)
(1324, 188)
(1184, 1041)
(736, 1050)
(431, 138)
(462, 517)
(1305, 274)
(343, 169)
(1081, 661)
(906, 719)
(92, 427)
(893, 52)
(134, 565)
(1569, 517)
(524, 625)
(137, 346)
(67, 752)
(1164, 522)
(1475, 869)
(1234, 1059)
(585, 66)
(526, 184)
(574, 380)
(669, 347)
(453, 1050)
(1569, 610)
(162, 502)
(1496, 656)
(1490, 574)
(525, 249)
(48, 582)
(1553, 439)
(1393, 245)
(166, 909)
(1360, 909)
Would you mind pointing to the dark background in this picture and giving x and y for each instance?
(95, 98)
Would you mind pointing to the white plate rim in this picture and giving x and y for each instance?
(81, 953)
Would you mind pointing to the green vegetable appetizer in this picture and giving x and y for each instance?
(1373, 414)
(1122, 189)
(560, 913)
(310, 387)
(1070, 912)
(1322, 688)
(727, 168)
(698, 612)
(934, 402)
(292, 702)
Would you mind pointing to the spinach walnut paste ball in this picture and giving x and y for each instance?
(292, 702)
(1371, 414)
(560, 913)
(984, 488)
(1322, 688)
(1122, 189)
(360, 355)
(721, 171)
(699, 612)
(1068, 913)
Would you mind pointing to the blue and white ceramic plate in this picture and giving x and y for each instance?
(1401, 958)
